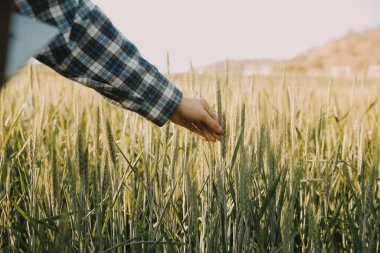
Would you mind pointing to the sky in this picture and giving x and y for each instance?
(202, 32)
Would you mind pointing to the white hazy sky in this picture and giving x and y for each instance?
(205, 31)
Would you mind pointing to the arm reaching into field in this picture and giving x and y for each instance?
(91, 51)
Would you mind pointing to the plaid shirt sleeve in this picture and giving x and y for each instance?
(91, 51)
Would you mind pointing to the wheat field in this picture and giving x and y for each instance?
(297, 169)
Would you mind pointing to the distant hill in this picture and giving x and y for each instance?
(355, 50)
(350, 53)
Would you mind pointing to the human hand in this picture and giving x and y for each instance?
(196, 115)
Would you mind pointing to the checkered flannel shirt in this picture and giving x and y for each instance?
(91, 51)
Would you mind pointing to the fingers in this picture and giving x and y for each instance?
(210, 111)
(214, 136)
(210, 123)
(196, 131)
(207, 133)
(202, 132)
(210, 119)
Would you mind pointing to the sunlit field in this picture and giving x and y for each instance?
(297, 169)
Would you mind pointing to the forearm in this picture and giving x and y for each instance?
(90, 50)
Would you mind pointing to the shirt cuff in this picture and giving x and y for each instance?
(159, 105)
